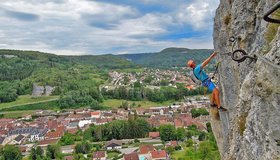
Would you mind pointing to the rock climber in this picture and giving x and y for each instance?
(206, 81)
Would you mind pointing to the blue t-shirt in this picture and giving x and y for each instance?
(199, 73)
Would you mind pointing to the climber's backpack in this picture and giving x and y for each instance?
(194, 78)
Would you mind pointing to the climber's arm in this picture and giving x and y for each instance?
(208, 59)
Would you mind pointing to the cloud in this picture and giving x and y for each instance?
(198, 14)
(23, 16)
(106, 26)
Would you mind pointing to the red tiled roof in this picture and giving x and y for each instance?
(154, 134)
(159, 154)
(52, 124)
(131, 156)
(172, 143)
(99, 154)
(95, 113)
(178, 123)
(48, 141)
(56, 134)
(6, 120)
(144, 149)
(72, 130)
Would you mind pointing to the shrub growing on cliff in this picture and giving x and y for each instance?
(272, 28)
(227, 19)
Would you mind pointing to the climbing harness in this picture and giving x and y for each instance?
(270, 11)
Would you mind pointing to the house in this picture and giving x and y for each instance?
(178, 123)
(113, 144)
(73, 124)
(72, 130)
(99, 155)
(154, 135)
(52, 124)
(18, 140)
(140, 111)
(144, 149)
(131, 156)
(67, 149)
(100, 121)
(84, 122)
(95, 114)
(73, 117)
(172, 144)
(32, 133)
(45, 143)
(59, 132)
(156, 155)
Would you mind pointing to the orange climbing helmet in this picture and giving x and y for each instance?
(191, 63)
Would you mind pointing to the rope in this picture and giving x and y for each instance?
(216, 69)
(268, 61)
(270, 11)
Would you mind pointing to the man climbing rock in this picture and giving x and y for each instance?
(206, 81)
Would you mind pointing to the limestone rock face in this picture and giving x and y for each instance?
(250, 130)
(39, 91)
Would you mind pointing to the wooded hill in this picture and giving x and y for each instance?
(169, 57)
(77, 78)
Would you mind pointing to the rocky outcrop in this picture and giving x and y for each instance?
(250, 90)
(42, 90)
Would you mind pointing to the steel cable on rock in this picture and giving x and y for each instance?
(268, 61)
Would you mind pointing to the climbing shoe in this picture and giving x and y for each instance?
(222, 108)
(213, 105)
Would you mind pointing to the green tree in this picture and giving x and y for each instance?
(39, 152)
(9, 152)
(83, 148)
(33, 154)
(201, 136)
(67, 139)
(170, 149)
(53, 151)
(167, 132)
(180, 134)
(189, 143)
(79, 157)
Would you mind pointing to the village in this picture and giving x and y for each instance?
(152, 78)
(46, 128)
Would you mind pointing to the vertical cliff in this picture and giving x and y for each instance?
(251, 89)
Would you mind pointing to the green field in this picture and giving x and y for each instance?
(178, 154)
(17, 114)
(115, 103)
(27, 99)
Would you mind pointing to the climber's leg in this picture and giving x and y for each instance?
(212, 100)
(216, 97)
(211, 86)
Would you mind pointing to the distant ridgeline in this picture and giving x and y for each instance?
(169, 57)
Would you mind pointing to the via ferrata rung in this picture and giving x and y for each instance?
(267, 17)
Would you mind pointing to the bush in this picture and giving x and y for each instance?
(227, 19)
(136, 141)
(189, 143)
(178, 148)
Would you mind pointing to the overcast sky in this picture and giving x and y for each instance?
(106, 26)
